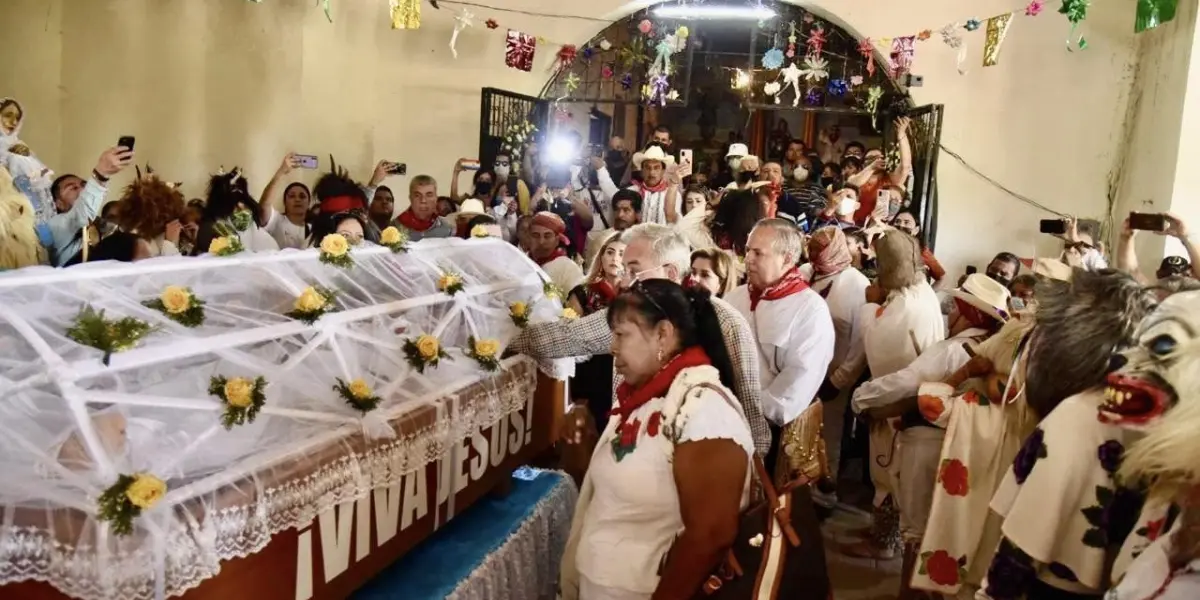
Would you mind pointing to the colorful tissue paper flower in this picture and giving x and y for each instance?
(838, 87)
(645, 27)
(924, 35)
(627, 81)
(605, 45)
(587, 52)
(606, 72)
(813, 97)
(972, 24)
(856, 80)
(773, 59)
(1035, 8)
(491, 24)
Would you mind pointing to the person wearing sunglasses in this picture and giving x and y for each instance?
(652, 251)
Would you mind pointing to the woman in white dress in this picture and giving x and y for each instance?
(660, 504)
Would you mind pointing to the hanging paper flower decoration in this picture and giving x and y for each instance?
(815, 69)
(1035, 8)
(564, 58)
(773, 59)
(791, 48)
(816, 41)
(572, 82)
(838, 87)
(924, 35)
(856, 80)
(1076, 12)
(972, 24)
(627, 81)
(605, 45)
(874, 95)
(791, 79)
(491, 24)
(673, 95)
(813, 97)
(645, 27)
(682, 32)
(606, 71)
(587, 52)
(772, 88)
(658, 87)
(867, 49)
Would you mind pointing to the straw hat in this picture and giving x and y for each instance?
(737, 150)
(986, 294)
(469, 208)
(652, 153)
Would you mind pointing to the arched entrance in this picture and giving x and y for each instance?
(730, 81)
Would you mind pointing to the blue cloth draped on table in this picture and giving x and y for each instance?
(498, 549)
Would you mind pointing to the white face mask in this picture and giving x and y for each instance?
(847, 206)
(735, 164)
(501, 210)
(502, 172)
(800, 173)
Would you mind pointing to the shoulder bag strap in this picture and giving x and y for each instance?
(596, 208)
(783, 517)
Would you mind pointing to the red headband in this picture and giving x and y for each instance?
(341, 204)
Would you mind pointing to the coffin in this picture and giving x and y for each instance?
(313, 492)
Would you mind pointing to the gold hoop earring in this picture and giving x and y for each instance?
(660, 359)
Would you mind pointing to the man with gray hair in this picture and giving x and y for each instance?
(652, 251)
(795, 337)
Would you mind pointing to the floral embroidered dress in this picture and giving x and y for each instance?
(983, 434)
(1153, 576)
(1064, 516)
(628, 515)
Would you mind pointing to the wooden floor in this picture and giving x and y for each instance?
(856, 578)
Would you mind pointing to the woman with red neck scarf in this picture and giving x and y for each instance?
(547, 247)
(591, 388)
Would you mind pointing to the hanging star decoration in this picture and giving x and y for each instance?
(813, 97)
(773, 59)
(815, 69)
(1035, 8)
(791, 79)
(838, 87)
(572, 83)
(627, 81)
(463, 20)
(791, 48)
(972, 24)
(1076, 12)
(874, 95)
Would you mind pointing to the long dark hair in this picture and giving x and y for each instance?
(734, 217)
(691, 311)
(225, 192)
(324, 225)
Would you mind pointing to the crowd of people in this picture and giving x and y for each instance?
(1012, 427)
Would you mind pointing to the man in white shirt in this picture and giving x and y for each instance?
(795, 337)
(78, 202)
(661, 202)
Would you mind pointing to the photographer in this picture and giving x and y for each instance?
(1171, 265)
(78, 202)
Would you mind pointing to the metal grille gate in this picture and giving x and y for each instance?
(499, 110)
(925, 136)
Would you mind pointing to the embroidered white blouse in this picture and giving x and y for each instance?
(628, 514)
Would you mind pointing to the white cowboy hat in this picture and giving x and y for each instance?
(737, 150)
(469, 207)
(986, 294)
(652, 153)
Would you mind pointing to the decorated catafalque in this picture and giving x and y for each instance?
(160, 418)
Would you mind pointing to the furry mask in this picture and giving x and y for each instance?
(898, 256)
(337, 184)
(1161, 374)
(19, 245)
(1079, 325)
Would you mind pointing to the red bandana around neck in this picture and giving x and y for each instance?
(630, 398)
(792, 282)
(644, 189)
(541, 262)
(412, 222)
(604, 290)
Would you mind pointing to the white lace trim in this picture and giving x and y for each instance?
(183, 550)
(526, 566)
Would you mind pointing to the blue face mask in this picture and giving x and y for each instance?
(1017, 303)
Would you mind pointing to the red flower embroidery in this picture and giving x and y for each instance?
(1154, 529)
(971, 397)
(942, 568)
(954, 477)
(629, 432)
(653, 424)
(931, 407)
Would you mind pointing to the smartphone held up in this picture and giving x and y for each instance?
(306, 161)
(1148, 222)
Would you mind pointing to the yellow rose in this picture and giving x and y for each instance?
(479, 231)
(518, 309)
(310, 301)
(569, 313)
(335, 245)
(486, 348)
(146, 490)
(428, 347)
(239, 392)
(218, 245)
(389, 236)
(176, 299)
(359, 389)
(447, 281)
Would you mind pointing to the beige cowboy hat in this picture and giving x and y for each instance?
(737, 150)
(469, 208)
(986, 294)
(652, 153)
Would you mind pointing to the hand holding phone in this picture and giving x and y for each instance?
(1155, 222)
(1053, 226)
(395, 168)
(305, 161)
(126, 141)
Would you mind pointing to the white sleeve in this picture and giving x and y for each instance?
(274, 220)
(709, 416)
(607, 185)
(809, 352)
(935, 364)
